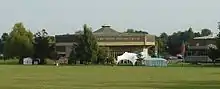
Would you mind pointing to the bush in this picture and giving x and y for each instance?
(213, 54)
(111, 60)
(102, 55)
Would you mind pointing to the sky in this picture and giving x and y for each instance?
(67, 16)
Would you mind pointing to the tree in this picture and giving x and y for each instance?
(160, 46)
(141, 32)
(53, 55)
(162, 41)
(86, 49)
(51, 39)
(213, 52)
(135, 31)
(102, 55)
(130, 31)
(174, 43)
(197, 34)
(19, 43)
(4, 37)
(188, 35)
(1, 46)
(164, 37)
(179, 39)
(91, 45)
(206, 32)
(75, 53)
(41, 45)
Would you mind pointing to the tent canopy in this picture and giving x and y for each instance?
(148, 61)
(128, 56)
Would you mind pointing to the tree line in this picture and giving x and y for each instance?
(173, 44)
(21, 43)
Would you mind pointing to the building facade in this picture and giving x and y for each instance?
(116, 42)
(198, 48)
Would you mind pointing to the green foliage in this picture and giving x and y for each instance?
(102, 55)
(1, 46)
(75, 53)
(197, 34)
(53, 55)
(51, 39)
(213, 53)
(176, 40)
(164, 37)
(130, 31)
(19, 42)
(160, 45)
(111, 60)
(206, 32)
(91, 46)
(41, 45)
(4, 37)
(135, 31)
(86, 50)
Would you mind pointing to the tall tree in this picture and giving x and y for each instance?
(164, 41)
(206, 32)
(91, 45)
(179, 39)
(164, 37)
(3, 39)
(160, 46)
(77, 50)
(86, 45)
(19, 43)
(1, 46)
(190, 34)
(41, 45)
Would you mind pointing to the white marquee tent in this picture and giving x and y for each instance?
(147, 60)
(128, 56)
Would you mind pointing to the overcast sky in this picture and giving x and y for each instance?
(68, 16)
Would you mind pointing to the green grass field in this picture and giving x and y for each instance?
(108, 77)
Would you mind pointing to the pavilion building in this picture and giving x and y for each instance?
(116, 42)
(198, 48)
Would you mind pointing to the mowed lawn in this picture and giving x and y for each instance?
(108, 77)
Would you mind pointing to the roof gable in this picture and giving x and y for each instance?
(106, 30)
